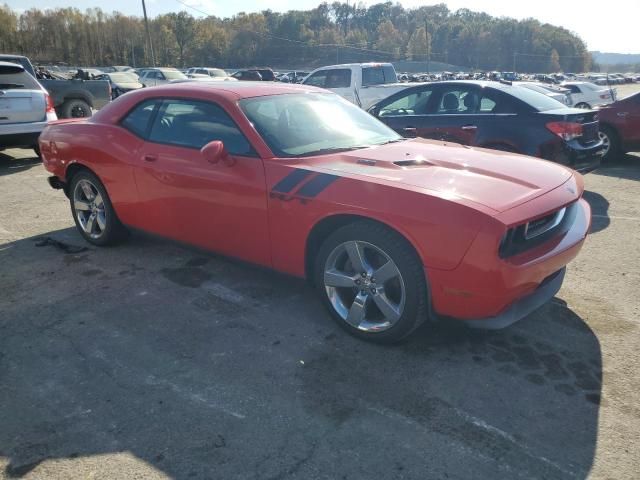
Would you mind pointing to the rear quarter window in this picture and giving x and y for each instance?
(12, 78)
(137, 120)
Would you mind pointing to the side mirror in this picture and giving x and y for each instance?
(373, 111)
(214, 151)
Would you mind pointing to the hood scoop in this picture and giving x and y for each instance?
(413, 163)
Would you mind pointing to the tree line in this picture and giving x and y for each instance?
(329, 33)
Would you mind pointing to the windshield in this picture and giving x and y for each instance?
(306, 124)
(539, 101)
(173, 74)
(123, 77)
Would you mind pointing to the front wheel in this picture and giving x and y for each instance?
(583, 105)
(372, 281)
(93, 213)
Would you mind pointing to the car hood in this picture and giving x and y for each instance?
(128, 85)
(494, 179)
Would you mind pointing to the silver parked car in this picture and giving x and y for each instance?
(25, 108)
(151, 77)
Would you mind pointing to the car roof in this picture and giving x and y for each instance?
(245, 89)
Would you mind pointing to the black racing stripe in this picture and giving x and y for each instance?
(289, 182)
(316, 185)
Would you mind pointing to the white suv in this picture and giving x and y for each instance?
(25, 108)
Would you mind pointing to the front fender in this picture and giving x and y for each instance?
(441, 231)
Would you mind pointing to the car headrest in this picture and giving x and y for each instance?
(450, 101)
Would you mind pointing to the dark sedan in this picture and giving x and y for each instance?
(498, 116)
(620, 126)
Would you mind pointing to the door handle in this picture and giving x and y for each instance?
(469, 127)
(150, 158)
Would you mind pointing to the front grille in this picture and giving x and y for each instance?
(536, 232)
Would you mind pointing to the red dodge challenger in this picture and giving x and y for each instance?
(391, 231)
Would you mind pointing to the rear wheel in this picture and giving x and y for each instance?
(372, 281)
(93, 213)
(76, 108)
(610, 140)
(583, 105)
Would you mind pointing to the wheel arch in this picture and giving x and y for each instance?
(327, 225)
(73, 168)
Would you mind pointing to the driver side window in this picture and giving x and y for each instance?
(414, 103)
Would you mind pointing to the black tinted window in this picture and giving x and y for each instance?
(372, 76)
(414, 103)
(456, 99)
(137, 120)
(193, 124)
(340, 78)
(496, 102)
(317, 79)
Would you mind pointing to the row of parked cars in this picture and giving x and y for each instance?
(554, 122)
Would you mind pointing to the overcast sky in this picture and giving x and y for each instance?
(609, 26)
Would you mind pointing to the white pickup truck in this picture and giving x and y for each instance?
(361, 83)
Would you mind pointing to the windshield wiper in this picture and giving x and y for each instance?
(6, 86)
(395, 140)
(324, 151)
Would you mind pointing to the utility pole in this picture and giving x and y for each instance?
(146, 25)
(426, 39)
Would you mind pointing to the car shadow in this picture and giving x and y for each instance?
(10, 164)
(599, 211)
(625, 166)
(206, 368)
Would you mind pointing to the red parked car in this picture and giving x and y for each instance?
(392, 231)
(620, 126)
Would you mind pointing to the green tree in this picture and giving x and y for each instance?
(418, 45)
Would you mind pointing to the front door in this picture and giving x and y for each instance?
(220, 206)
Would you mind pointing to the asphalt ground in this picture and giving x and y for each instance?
(155, 360)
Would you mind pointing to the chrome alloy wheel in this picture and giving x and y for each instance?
(88, 205)
(606, 142)
(364, 286)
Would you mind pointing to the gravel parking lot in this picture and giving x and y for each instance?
(154, 360)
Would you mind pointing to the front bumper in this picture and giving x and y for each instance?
(523, 307)
(484, 286)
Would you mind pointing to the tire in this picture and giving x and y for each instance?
(609, 136)
(353, 296)
(88, 198)
(583, 105)
(76, 108)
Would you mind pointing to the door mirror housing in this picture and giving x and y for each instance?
(214, 151)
